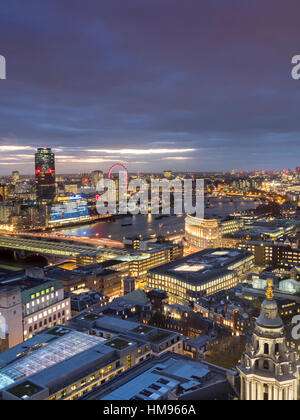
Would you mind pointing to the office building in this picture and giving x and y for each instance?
(105, 277)
(3, 192)
(71, 189)
(87, 300)
(139, 262)
(208, 233)
(201, 274)
(11, 314)
(66, 363)
(169, 377)
(6, 212)
(31, 302)
(45, 175)
(15, 177)
(96, 177)
(272, 254)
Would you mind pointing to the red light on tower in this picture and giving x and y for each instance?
(38, 171)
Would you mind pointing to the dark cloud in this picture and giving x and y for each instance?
(210, 75)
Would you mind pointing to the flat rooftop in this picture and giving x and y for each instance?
(21, 280)
(29, 285)
(47, 356)
(130, 330)
(170, 373)
(202, 265)
(25, 390)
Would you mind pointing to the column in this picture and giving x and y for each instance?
(247, 385)
(253, 391)
(270, 392)
(276, 393)
(242, 397)
(259, 391)
(295, 391)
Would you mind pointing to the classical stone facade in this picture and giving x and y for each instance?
(269, 370)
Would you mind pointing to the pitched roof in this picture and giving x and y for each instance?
(137, 296)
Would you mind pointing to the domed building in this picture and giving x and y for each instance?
(269, 370)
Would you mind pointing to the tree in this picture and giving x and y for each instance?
(158, 320)
(226, 352)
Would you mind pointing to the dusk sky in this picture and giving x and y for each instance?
(186, 85)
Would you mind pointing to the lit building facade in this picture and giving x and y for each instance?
(139, 262)
(15, 177)
(207, 233)
(96, 177)
(29, 305)
(11, 317)
(42, 369)
(201, 274)
(3, 192)
(45, 175)
(43, 307)
(272, 254)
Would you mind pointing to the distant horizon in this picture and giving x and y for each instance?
(20, 157)
(237, 172)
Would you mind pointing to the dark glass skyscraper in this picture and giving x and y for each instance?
(45, 174)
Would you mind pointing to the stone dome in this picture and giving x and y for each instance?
(269, 316)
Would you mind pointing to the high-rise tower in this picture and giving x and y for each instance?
(96, 177)
(45, 175)
(269, 370)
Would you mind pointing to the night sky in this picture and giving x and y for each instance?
(186, 85)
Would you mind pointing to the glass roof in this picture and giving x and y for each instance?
(189, 267)
(50, 354)
(5, 381)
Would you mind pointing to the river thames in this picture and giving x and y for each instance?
(147, 225)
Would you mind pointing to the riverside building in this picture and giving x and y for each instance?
(208, 233)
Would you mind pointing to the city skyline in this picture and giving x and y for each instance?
(166, 85)
(149, 203)
(105, 165)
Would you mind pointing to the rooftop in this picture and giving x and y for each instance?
(138, 296)
(154, 379)
(25, 389)
(52, 348)
(30, 285)
(142, 329)
(202, 265)
(161, 336)
(118, 343)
